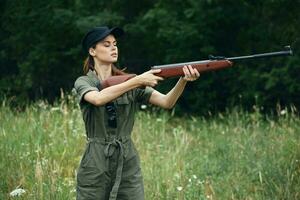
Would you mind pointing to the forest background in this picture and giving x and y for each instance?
(40, 47)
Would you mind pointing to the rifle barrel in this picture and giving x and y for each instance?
(287, 52)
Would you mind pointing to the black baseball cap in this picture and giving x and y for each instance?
(98, 33)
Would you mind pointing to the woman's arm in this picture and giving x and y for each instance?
(108, 94)
(168, 101)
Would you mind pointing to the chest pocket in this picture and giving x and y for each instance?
(125, 99)
(124, 106)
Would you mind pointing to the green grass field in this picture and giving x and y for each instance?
(235, 155)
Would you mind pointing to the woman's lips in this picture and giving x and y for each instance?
(114, 54)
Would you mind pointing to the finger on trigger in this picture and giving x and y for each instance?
(154, 71)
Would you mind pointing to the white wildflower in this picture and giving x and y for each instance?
(194, 176)
(143, 107)
(179, 188)
(17, 192)
(55, 109)
(283, 112)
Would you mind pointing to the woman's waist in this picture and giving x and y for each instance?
(109, 138)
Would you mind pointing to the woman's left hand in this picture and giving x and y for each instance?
(190, 73)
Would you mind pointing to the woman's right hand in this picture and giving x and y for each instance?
(149, 78)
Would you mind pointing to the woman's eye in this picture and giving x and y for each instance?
(109, 44)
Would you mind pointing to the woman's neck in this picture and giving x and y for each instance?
(103, 70)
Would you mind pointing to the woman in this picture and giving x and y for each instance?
(110, 166)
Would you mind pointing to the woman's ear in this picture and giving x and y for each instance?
(92, 52)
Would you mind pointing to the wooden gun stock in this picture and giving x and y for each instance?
(114, 80)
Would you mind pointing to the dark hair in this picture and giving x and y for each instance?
(89, 64)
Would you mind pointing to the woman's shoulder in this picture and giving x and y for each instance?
(86, 80)
(82, 78)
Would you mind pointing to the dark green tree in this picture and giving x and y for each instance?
(41, 46)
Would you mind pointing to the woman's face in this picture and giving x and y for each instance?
(106, 51)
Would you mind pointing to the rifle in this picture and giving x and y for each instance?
(214, 63)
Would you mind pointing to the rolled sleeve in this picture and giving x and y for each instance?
(143, 95)
(83, 85)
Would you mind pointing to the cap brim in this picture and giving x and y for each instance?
(117, 32)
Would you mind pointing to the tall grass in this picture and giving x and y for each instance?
(235, 155)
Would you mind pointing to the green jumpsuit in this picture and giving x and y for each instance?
(110, 167)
